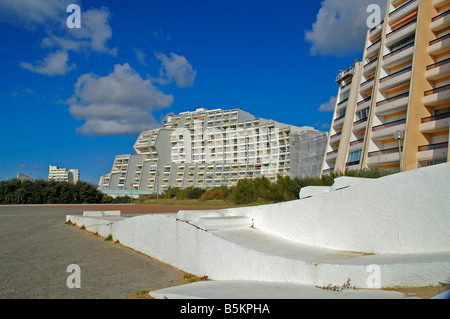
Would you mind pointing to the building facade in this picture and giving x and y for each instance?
(393, 109)
(211, 148)
(63, 174)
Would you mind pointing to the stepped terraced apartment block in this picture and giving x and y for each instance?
(393, 109)
(211, 148)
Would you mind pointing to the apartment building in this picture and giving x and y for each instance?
(393, 108)
(211, 148)
(63, 174)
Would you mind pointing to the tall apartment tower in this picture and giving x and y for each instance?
(210, 148)
(401, 114)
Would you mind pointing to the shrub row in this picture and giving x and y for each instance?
(15, 191)
(261, 190)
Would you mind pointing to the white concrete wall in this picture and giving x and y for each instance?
(199, 252)
(401, 213)
(407, 214)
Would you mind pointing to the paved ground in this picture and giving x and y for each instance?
(36, 247)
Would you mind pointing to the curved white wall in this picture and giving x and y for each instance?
(401, 213)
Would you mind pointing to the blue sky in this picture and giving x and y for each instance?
(77, 97)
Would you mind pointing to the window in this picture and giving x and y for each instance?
(363, 114)
(354, 156)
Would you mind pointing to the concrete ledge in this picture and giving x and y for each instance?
(347, 181)
(189, 215)
(98, 213)
(99, 225)
(230, 222)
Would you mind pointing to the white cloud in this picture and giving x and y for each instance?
(176, 68)
(141, 56)
(53, 64)
(117, 104)
(34, 13)
(93, 35)
(51, 16)
(340, 27)
(328, 106)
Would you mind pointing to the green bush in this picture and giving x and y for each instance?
(15, 191)
(220, 192)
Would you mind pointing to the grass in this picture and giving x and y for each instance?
(193, 278)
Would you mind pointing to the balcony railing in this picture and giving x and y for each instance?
(332, 152)
(406, 47)
(339, 118)
(364, 101)
(436, 117)
(438, 90)
(387, 125)
(401, 7)
(401, 28)
(371, 62)
(433, 147)
(393, 99)
(357, 142)
(440, 39)
(335, 135)
(360, 121)
(436, 65)
(440, 16)
(342, 102)
(373, 44)
(367, 82)
(385, 152)
(386, 78)
(352, 163)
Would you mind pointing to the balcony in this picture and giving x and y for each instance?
(440, 45)
(339, 121)
(437, 96)
(401, 32)
(388, 156)
(370, 66)
(402, 11)
(352, 165)
(373, 48)
(395, 79)
(392, 105)
(367, 86)
(387, 130)
(356, 145)
(435, 123)
(441, 21)
(433, 151)
(359, 125)
(438, 70)
(363, 104)
(332, 155)
(375, 32)
(398, 56)
(334, 139)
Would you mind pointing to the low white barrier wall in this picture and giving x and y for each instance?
(401, 213)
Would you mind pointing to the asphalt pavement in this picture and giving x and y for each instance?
(37, 248)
